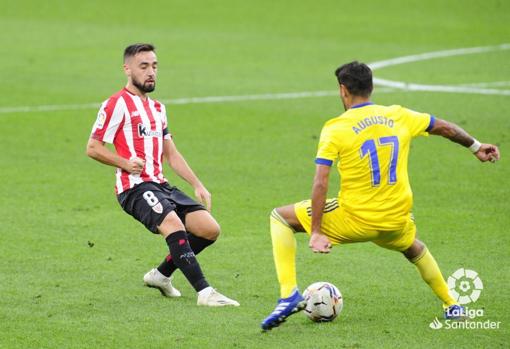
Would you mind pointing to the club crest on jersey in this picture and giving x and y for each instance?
(145, 131)
(158, 208)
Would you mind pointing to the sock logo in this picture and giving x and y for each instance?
(189, 257)
(465, 285)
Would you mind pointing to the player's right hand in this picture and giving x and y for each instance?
(203, 196)
(319, 243)
(488, 152)
(135, 165)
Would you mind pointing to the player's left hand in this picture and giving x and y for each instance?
(487, 152)
(319, 243)
(203, 196)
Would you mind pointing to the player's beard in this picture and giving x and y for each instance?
(145, 87)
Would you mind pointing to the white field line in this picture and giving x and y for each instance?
(389, 84)
(487, 84)
(409, 86)
(190, 100)
(437, 54)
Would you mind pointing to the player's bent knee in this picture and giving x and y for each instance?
(278, 216)
(209, 231)
(202, 223)
(213, 231)
(288, 215)
(415, 250)
(285, 212)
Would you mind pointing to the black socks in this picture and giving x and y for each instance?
(183, 258)
(197, 244)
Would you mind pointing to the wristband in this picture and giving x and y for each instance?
(475, 147)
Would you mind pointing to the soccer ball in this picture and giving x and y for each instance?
(323, 302)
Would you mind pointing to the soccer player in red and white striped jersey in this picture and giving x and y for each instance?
(137, 127)
(140, 135)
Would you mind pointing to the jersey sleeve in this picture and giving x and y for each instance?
(328, 149)
(419, 124)
(109, 119)
(166, 133)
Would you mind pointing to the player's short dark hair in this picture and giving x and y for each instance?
(356, 77)
(132, 50)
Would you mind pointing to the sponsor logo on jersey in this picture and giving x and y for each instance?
(145, 131)
(135, 114)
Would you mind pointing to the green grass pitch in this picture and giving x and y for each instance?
(59, 291)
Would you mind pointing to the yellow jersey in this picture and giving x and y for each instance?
(371, 143)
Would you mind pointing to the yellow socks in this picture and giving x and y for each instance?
(284, 253)
(431, 274)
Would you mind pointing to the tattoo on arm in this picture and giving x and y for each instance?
(458, 135)
(453, 132)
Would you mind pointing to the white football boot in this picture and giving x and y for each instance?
(212, 298)
(164, 284)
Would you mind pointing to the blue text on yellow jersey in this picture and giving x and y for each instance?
(371, 143)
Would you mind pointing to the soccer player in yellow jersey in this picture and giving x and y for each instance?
(370, 144)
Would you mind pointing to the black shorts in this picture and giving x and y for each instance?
(150, 202)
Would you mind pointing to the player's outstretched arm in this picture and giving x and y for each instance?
(97, 151)
(484, 152)
(181, 167)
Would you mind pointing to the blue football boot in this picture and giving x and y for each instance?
(285, 308)
(455, 312)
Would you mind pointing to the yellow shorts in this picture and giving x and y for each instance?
(341, 228)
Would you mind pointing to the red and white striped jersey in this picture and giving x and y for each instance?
(136, 128)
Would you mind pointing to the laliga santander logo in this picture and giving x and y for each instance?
(436, 324)
(465, 286)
